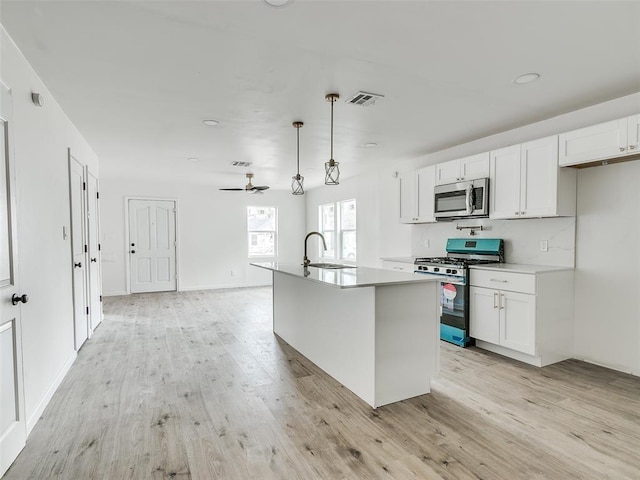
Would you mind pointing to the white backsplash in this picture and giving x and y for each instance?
(522, 238)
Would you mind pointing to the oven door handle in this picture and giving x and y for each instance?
(470, 199)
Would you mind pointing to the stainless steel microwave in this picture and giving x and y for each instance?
(469, 199)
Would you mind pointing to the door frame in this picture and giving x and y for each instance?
(83, 229)
(127, 261)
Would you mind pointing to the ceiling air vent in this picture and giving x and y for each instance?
(241, 164)
(364, 98)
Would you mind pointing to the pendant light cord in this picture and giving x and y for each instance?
(332, 100)
(298, 161)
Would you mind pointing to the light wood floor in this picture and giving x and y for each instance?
(195, 385)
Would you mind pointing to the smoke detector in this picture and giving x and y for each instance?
(241, 164)
(364, 99)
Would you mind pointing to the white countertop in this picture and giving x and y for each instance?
(348, 277)
(518, 268)
(399, 259)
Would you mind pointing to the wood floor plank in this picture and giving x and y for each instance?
(195, 385)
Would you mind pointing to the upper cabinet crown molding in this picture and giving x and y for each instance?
(618, 140)
(467, 168)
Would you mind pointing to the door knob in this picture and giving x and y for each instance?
(94, 260)
(16, 299)
(79, 264)
(133, 251)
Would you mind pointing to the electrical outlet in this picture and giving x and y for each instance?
(233, 273)
(544, 246)
(427, 243)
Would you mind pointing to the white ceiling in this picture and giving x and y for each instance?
(138, 78)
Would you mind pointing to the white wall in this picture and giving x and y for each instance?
(607, 277)
(41, 138)
(212, 232)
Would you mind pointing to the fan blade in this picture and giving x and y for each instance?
(232, 189)
(260, 187)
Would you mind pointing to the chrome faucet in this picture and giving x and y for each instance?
(306, 260)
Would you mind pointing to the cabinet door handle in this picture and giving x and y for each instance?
(622, 149)
(501, 301)
(495, 299)
(497, 280)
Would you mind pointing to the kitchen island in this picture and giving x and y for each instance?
(375, 331)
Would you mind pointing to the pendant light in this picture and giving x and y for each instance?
(331, 170)
(297, 179)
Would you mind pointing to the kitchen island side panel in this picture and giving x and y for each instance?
(407, 341)
(332, 327)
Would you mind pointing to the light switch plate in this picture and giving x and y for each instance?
(544, 246)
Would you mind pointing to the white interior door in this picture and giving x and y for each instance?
(13, 431)
(152, 245)
(94, 265)
(79, 249)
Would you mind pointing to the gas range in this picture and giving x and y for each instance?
(453, 271)
(451, 265)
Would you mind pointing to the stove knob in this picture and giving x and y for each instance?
(436, 269)
(454, 272)
(420, 267)
(448, 270)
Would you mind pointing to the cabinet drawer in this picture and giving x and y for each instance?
(514, 282)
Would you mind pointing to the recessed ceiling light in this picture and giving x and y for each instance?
(211, 123)
(277, 3)
(193, 159)
(371, 145)
(527, 78)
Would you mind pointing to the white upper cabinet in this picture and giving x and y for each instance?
(467, 168)
(416, 195)
(407, 186)
(525, 181)
(617, 138)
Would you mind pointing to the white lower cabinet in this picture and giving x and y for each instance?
(504, 318)
(526, 316)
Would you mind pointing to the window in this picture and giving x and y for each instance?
(262, 229)
(338, 226)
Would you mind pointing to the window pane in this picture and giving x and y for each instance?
(348, 215)
(349, 245)
(261, 231)
(261, 219)
(261, 244)
(327, 217)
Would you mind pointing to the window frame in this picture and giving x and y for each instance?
(338, 231)
(273, 232)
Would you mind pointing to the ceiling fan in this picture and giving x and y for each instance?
(249, 187)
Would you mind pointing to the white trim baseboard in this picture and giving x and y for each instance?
(35, 416)
(114, 294)
(223, 286)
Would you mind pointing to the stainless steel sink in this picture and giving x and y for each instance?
(329, 265)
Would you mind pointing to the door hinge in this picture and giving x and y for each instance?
(98, 247)
(86, 249)
(97, 194)
(87, 310)
(101, 298)
(84, 185)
